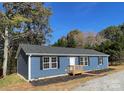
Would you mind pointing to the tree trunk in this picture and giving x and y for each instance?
(5, 53)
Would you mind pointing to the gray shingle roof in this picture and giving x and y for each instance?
(37, 49)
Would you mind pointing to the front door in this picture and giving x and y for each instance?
(72, 60)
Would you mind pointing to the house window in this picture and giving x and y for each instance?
(54, 62)
(50, 62)
(46, 62)
(100, 60)
(81, 60)
(84, 61)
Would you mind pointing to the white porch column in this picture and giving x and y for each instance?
(29, 67)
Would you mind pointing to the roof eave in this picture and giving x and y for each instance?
(67, 54)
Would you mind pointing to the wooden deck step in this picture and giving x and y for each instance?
(75, 69)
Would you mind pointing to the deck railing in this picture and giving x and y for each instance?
(75, 69)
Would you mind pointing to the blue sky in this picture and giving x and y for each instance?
(87, 17)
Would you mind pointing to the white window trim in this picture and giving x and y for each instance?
(50, 62)
(54, 62)
(43, 63)
(84, 60)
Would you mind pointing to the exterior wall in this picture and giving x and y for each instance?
(36, 72)
(94, 64)
(22, 64)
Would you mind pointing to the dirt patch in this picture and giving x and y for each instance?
(58, 79)
(101, 71)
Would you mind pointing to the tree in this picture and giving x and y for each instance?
(79, 38)
(112, 33)
(90, 40)
(99, 39)
(1, 51)
(115, 46)
(5, 24)
(75, 38)
(29, 19)
(39, 16)
(71, 43)
(112, 48)
(110, 41)
(61, 42)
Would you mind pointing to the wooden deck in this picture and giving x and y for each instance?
(75, 69)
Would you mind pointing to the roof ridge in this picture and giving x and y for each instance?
(69, 48)
(55, 46)
(32, 48)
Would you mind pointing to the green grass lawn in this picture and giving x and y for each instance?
(10, 80)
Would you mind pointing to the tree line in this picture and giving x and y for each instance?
(109, 40)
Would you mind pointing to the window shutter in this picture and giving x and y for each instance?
(78, 60)
(58, 63)
(41, 63)
(102, 60)
(88, 61)
(98, 60)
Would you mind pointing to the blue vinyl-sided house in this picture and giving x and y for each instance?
(38, 62)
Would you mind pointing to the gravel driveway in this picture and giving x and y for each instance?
(111, 82)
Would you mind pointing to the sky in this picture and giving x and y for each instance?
(87, 17)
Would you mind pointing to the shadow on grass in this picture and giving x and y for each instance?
(66, 78)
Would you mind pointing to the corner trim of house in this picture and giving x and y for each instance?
(48, 77)
(22, 77)
(29, 67)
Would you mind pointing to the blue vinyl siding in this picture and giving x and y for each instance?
(36, 72)
(94, 64)
(22, 64)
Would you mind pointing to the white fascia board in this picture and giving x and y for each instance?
(64, 54)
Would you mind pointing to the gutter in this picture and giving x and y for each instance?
(65, 54)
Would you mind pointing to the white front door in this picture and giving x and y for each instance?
(72, 60)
